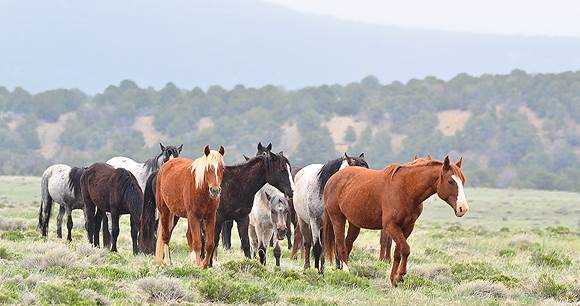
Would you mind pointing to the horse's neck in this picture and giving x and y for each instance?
(252, 175)
(421, 182)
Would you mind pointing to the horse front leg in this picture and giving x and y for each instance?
(243, 224)
(194, 238)
(402, 251)
(277, 252)
(210, 241)
(164, 229)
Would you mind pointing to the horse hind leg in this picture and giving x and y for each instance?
(338, 223)
(317, 248)
(306, 242)
(351, 236)
(115, 231)
(386, 242)
(69, 224)
(61, 213)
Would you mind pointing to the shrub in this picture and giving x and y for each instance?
(345, 279)
(161, 290)
(57, 258)
(184, 271)
(312, 276)
(437, 273)
(246, 266)
(551, 259)
(374, 270)
(559, 230)
(13, 224)
(413, 282)
(549, 288)
(228, 290)
(483, 289)
(13, 235)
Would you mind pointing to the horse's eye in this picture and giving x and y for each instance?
(451, 182)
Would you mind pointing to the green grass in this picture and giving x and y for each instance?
(514, 247)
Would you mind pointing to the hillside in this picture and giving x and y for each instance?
(516, 130)
(89, 45)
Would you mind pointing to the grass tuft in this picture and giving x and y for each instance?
(246, 266)
(61, 294)
(472, 271)
(483, 289)
(345, 279)
(550, 259)
(227, 290)
(548, 287)
(413, 282)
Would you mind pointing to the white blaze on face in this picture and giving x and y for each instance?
(343, 165)
(290, 177)
(462, 206)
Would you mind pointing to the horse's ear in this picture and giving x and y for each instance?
(446, 164)
(415, 157)
(222, 150)
(459, 162)
(269, 147)
(362, 155)
(245, 157)
(206, 150)
(260, 147)
(281, 153)
(429, 157)
(346, 155)
(180, 148)
(162, 147)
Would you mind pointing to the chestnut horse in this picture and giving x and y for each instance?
(390, 200)
(189, 189)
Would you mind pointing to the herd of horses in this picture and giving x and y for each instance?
(264, 195)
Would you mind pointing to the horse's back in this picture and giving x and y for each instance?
(305, 189)
(56, 178)
(172, 178)
(354, 191)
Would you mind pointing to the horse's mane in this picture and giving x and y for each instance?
(327, 170)
(74, 180)
(198, 166)
(392, 169)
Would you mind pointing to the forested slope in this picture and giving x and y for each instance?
(516, 130)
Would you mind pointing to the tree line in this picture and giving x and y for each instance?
(522, 130)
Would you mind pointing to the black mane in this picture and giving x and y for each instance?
(327, 170)
(74, 180)
(152, 164)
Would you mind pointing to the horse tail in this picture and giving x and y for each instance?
(45, 203)
(74, 181)
(147, 227)
(129, 191)
(328, 234)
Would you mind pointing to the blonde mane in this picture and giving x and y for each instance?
(201, 164)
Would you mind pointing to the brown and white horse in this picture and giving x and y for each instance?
(189, 189)
(390, 200)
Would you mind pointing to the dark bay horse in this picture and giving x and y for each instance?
(390, 200)
(106, 189)
(226, 233)
(189, 189)
(240, 184)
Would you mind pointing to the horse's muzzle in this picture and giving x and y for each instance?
(461, 209)
(281, 233)
(215, 192)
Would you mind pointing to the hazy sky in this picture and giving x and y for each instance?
(530, 17)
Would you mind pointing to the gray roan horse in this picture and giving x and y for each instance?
(61, 184)
(268, 220)
(142, 171)
(310, 182)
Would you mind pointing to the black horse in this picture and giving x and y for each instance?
(241, 182)
(106, 189)
(229, 224)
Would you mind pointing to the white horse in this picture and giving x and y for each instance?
(142, 171)
(267, 221)
(310, 182)
(60, 184)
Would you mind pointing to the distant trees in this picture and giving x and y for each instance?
(502, 146)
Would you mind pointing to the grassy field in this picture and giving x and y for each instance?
(515, 246)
